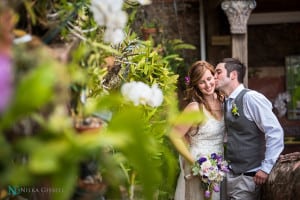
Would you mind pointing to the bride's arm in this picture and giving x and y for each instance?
(179, 132)
(181, 146)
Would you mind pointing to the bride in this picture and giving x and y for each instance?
(203, 139)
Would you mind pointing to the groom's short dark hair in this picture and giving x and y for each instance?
(233, 64)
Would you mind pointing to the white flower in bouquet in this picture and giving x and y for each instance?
(141, 94)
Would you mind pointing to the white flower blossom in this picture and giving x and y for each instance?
(144, 2)
(141, 94)
(213, 175)
(100, 11)
(137, 92)
(281, 103)
(117, 20)
(157, 96)
(109, 13)
(115, 36)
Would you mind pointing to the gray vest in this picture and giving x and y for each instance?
(246, 143)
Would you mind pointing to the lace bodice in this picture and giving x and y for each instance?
(209, 137)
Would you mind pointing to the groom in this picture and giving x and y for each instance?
(254, 135)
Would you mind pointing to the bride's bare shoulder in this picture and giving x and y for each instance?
(193, 106)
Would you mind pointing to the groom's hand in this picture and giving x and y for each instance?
(260, 177)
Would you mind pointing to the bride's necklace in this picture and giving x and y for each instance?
(213, 104)
(215, 108)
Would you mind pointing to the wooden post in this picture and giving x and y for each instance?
(240, 51)
(238, 12)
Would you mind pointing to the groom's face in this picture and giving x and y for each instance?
(221, 77)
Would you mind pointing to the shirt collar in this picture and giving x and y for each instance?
(237, 90)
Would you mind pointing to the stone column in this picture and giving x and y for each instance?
(238, 12)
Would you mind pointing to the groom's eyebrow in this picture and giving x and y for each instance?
(218, 70)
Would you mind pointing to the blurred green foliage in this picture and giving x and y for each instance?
(39, 142)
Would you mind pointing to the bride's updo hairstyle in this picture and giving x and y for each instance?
(195, 73)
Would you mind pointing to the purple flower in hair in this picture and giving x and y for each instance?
(187, 80)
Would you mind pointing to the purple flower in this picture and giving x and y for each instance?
(220, 166)
(201, 160)
(187, 80)
(216, 157)
(216, 188)
(207, 194)
(224, 169)
(6, 81)
(213, 156)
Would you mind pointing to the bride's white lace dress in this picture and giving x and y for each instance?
(208, 139)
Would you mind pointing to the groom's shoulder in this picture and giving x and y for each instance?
(252, 92)
(254, 95)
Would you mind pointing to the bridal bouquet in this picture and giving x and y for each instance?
(211, 169)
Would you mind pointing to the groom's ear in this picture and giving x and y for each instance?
(233, 75)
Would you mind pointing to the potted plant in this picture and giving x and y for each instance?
(148, 29)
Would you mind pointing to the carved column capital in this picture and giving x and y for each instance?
(238, 12)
